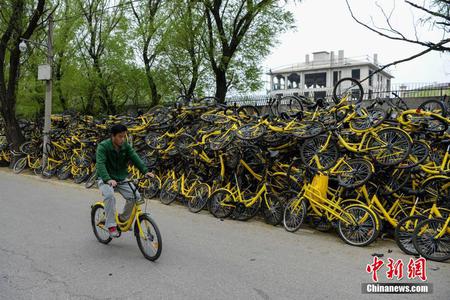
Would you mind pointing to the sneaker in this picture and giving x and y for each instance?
(113, 232)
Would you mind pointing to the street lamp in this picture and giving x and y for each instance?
(23, 46)
(45, 73)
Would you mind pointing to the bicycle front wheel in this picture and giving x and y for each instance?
(221, 203)
(149, 240)
(319, 154)
(198, 197)
(354, 173)
(153, 187)
(350, 88)
(426, 243)
(404, 233)
(361, 226)
(294, 214)
(273, 209)
(389, 146)
(20, 165)
(169, 192)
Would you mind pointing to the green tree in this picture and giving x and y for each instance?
(238, 26)
(100, 39)
(19, 19)
(184, 55)
(150, 23)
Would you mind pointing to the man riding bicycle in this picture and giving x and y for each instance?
(112, 159)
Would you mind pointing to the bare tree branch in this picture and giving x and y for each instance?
(436, 46)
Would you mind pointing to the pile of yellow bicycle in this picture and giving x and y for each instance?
(365, 169)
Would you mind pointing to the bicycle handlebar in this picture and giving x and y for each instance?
(133, 180)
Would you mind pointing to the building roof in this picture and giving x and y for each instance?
(327, 64)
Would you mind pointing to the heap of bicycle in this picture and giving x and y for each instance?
(364, 168)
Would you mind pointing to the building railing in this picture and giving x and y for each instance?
(406, 91)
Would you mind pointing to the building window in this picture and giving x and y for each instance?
(370, 77)
(293, 81)
(336, 77)
(278, 82)
(388, 85)
(356, 73)
(316, 80)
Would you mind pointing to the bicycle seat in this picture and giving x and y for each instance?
(273, 154)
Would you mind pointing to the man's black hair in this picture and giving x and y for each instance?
(118, 128)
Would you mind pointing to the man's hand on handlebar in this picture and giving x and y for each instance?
(112, 183)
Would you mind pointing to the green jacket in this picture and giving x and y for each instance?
(112, 164)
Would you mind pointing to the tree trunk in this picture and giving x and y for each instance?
(58, 77)
(9, 42)
(14, 135)
(155, 97)
(105, 96)
(221, 85)
(195, 68)
(90, 100)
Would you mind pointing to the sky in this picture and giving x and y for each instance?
(326, 25)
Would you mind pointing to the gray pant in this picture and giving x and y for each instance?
(110, 201)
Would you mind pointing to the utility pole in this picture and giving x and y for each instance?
(48, 93)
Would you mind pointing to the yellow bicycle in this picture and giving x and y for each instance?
(146, 231)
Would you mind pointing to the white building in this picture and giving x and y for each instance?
(316, 77)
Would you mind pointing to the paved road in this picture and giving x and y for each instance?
(48, 251)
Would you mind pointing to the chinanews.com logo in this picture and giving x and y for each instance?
(396, 270)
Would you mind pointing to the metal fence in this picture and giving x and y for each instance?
(413, 91)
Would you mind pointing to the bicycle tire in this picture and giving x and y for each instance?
(92, 180)
(434, 106)
(155, 141)
(419, 153)
(404, 233)
(199, 199)
(248, 111)
(153, 188)
(294, 106)
(273, 210)
(104, 240)
(387, 140)
(375, 117)
(20, 165)
(310, 148)
(157, 234)
(369, 219)
(215, 201)
(308, 129)
(425, 243)
(294, 214)
(244, 213)
(359, 173)
(63, 171)
(354, 84)
(167, 195)
(251, 131)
